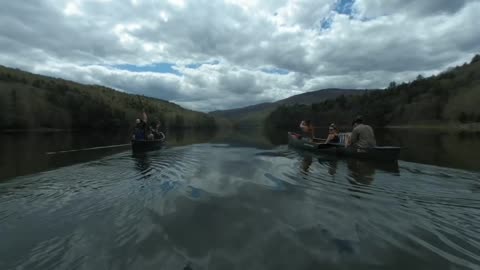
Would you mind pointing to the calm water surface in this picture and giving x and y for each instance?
(238, 201)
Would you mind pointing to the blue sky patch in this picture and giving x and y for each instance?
(275, 71)
(326, 23)
(158, 68)
(344, 7)
(197, 65)
(161, 67)
(194, 66)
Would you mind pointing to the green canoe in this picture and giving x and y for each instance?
(146, 145)
(384, 153)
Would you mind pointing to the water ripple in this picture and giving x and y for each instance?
(221, 207)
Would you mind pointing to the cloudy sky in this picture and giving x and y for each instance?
(220, 54)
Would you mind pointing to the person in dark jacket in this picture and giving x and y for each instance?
(140, 131)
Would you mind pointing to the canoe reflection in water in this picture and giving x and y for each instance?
(351, 175)
(331, 164)
(142, 163)
(359, 171)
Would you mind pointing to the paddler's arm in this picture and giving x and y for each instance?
(353, 137)
(329, 138)
(145, 116)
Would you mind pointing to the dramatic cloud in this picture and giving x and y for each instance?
(212, 54)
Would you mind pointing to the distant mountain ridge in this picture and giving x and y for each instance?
(254, 114)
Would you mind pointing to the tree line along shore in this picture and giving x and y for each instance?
(447, 100)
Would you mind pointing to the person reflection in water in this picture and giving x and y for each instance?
(331, 164)
(332, 167)
(363, 172)
(142, 164)
(306, 162)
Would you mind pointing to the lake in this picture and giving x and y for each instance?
(237, 200)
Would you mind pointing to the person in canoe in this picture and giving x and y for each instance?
(150, 135)
(362, 135)
(149, 132)
(332, 134)
(307, 129)
(156, 130)
(140, 131)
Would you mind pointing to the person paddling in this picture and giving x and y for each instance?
(157, 131)
(307, 129)
(362, 135)
(140, 128)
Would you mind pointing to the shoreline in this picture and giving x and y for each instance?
(59, 130)
(36, 130)
(473, 127)
(470, 127)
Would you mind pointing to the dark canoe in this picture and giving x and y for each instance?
(383, 153)
(142, 145)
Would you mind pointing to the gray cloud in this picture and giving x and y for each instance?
(40, 25)
(374, 8)
(83, 40)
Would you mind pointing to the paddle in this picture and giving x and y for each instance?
(87, 149)
(325, 146)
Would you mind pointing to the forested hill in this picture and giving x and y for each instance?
(30, 101)
(255, 114)
(448, 98)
